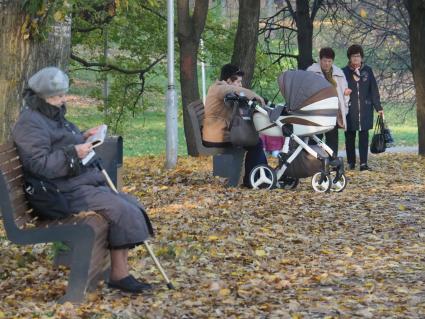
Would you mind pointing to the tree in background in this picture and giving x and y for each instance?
(416, 9)
(190, 28)
(246, 39)
(39, 34)
(294, 25)
(31, 37)
(123, 42)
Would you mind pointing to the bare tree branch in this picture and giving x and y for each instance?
(109, 67)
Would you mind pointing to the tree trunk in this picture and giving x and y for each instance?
(416, 9)
(21, 58)
(304, 34)
(244, 50)
(190, 29)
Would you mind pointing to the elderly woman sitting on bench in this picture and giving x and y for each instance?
(51, 149)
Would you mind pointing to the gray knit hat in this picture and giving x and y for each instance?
(49, 81)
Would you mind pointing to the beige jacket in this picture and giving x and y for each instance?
(217, 115)
(341, 85)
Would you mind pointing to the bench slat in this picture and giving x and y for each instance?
(8, 156)
(17, 202)
(20, 205)
(16, 183)
(6, 146)
(11, 175)
(10, 166)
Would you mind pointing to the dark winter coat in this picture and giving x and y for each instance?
(363, 99)
(46, 144)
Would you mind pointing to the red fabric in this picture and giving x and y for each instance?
(272, 143)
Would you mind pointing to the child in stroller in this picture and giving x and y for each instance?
(311, 108)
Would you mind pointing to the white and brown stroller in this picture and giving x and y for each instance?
(311, 108)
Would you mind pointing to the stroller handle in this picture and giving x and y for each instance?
(234, 97)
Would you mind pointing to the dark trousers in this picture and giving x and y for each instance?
(331, 139)
(254, 156)
(350, 146)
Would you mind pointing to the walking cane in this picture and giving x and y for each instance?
(148, 247)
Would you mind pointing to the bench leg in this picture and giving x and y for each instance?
(82, 247)
(229, 165)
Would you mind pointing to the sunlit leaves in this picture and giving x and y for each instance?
(238, 253)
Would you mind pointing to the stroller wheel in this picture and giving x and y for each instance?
(338, 186)
(323, 187)
(262, 177)
(287, 182)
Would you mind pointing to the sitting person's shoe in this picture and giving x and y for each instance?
(364, 167)
(129, 284)
(351, 166)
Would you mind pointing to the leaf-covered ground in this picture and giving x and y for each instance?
(239, 253)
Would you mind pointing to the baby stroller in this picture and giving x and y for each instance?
(311, 108)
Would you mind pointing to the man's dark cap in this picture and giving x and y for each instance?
(229, 70)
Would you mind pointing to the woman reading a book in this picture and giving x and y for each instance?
(51, 149)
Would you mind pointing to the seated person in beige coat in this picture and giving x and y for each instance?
(215, 132)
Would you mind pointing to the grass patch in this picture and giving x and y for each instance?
(144, 134)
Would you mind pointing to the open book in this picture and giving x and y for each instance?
(95, 140)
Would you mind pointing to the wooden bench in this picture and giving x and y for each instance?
(85, 234)
(227, 162)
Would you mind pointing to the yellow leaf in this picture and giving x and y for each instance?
(348, 251)
(212, 238)
(58, 16)
(363, 13)
(321, 277)
(224, 292)
(401, 207)
(2, 315)
(260, 253)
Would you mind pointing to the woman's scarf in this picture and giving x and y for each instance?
(328, 77)
(356, 71)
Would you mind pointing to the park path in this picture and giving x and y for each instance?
(395, 149)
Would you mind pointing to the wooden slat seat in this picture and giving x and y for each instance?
(85, 233)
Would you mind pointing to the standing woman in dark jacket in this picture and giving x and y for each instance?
(363, 99)
(51, 148)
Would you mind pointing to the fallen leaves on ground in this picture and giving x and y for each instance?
(239, 253)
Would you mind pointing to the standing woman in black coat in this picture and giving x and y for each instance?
(364, 98)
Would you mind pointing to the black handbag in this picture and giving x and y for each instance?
(389, 141)
(378, 144)
(242, 130)
(45, 198)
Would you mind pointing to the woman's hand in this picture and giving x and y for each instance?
(91, 132)
(83, 149)
(347, 91)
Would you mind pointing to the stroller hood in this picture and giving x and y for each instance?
(301, 88)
